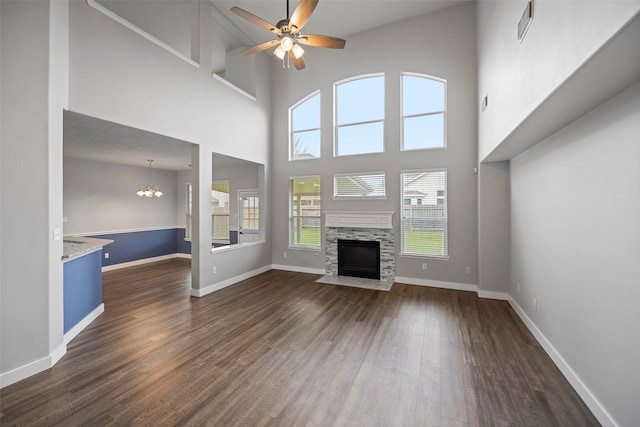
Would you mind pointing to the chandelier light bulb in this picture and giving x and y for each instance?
(147, 190)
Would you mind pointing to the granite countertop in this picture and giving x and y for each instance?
(75, 246)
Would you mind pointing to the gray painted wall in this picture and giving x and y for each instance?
(101, 198)
(425, 46)
(31, 154)
(575, 244)
(518, 77)
(106, 71)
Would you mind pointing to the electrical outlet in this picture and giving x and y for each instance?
(106, 255)
(518, 286)
(468, 270)
(424, 265)
(284, 254)
(214, 270)
(535, 304)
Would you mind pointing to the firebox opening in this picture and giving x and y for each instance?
(358, 258)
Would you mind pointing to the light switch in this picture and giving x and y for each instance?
(57, 234)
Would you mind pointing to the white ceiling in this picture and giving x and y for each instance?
(93, 139)
(338, 18)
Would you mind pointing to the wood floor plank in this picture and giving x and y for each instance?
(280, 349)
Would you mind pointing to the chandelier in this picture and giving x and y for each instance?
(148, 190)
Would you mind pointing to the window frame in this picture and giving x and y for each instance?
(215, 216)
(403, 253)
(359, 175)
(291, 217)
(336, 126)
(443, 112)
(291, 131)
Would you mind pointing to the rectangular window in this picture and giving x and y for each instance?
(249, 206)
(304, 211)
(220, 211)
(369, 185)
(424, 228)
(188, 200)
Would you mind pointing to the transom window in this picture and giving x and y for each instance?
(423, 112)
(424, 227)
(366, 185)
(359, 115)
(304, 211)
(304, 128)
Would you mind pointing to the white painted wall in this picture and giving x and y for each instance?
(101, 198)
(442, 45)
(575, 244)
(518, 77)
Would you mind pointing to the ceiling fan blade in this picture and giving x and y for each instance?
(322, 41)
(255, 20)
(260, 47)
(298, 63)
(301, 14)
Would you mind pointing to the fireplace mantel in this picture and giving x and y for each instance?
(359, 219)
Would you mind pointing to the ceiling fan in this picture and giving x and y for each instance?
(288, 34)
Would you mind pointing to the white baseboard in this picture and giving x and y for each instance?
(494, 295)
(220, 285)
(73, 332)
(437, 284)
(144, 261)
(35, 367)
(299, 269)
(589, 399)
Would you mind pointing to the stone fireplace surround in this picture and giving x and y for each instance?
(366, 226)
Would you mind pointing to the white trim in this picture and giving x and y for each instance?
(119, 19)
(437, 284)
(236, 246)
(358, 219)
(73, 332)
(297, 269)
(22, 372)
(232, 86)
(589, 399)
(143, 261)
(233, 280)
(494, 295)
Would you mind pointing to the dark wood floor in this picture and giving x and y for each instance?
(281, 350)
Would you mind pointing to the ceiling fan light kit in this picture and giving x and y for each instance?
(288, 34)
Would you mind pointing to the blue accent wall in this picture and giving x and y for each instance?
(82, 287)
(184, 247)
(138, 245)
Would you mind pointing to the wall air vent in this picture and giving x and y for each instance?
(525, 21)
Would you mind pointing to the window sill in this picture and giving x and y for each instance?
(236, 246)
(432, 257)
(306, 248)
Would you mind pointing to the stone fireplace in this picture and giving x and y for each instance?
(363, 226)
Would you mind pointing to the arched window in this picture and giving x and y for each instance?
(304, 128)
(423, 112)
(359, 115)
